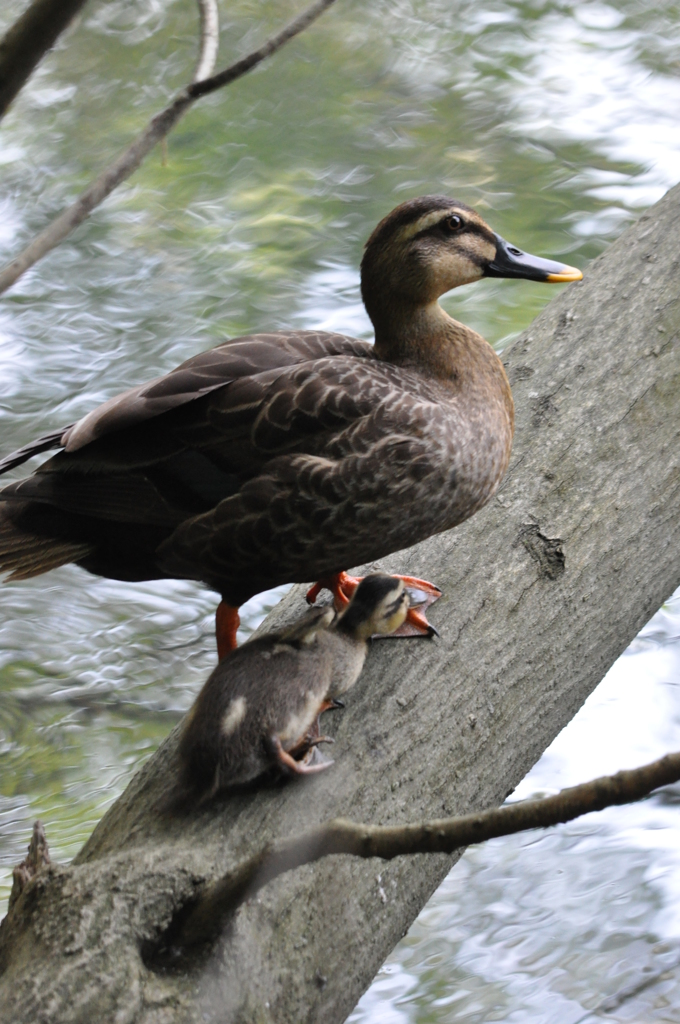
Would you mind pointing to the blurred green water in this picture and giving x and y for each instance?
(557, 120)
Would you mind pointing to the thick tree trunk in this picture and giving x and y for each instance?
(28, 40)
(543, 590)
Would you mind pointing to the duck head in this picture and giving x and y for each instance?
(378, 605)
(427, 246)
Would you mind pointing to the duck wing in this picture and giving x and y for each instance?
(238, 359)
(354, 459)
(233, 360)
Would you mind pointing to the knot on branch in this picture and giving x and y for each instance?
(548, 552)
(36, 860)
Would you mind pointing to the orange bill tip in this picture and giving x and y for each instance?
(565, 274)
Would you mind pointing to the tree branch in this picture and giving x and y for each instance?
(157, 128)
(203, 919)
(241, 67)
(28, 40)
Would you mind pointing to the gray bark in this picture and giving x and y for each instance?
(27, 41)
(543, 590)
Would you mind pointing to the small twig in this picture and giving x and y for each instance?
(241, 67)
(202, 920)
(210, 39)
(157, 128)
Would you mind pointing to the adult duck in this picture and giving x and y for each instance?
(291, 456)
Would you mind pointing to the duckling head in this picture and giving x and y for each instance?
(427, 246)
(378, 605)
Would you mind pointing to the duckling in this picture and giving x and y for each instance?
(260, 708)
(289, 457)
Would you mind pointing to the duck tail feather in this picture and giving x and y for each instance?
(43, 444)
(24, 555)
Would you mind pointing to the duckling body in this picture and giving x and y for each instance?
(260, 707)
(289, 457)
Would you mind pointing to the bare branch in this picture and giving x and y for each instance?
(201, 921)
(27, 41)
(210, 39)
(241, 67)
(157, 128)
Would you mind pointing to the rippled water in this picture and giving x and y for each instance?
(560, 122)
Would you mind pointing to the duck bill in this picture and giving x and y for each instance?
(512, 262)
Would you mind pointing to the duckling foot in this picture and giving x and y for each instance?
(316, 757)
(288, 764)
(331, 704)
(311, 739)
(306, 748)
(227, 621)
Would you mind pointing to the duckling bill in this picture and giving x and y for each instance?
(291, 456)
(259, 710)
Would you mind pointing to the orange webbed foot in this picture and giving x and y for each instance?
(341, 586)
(422, 594)
(414, 583)
(416, 622)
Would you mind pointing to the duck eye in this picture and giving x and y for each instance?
(453, 223)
